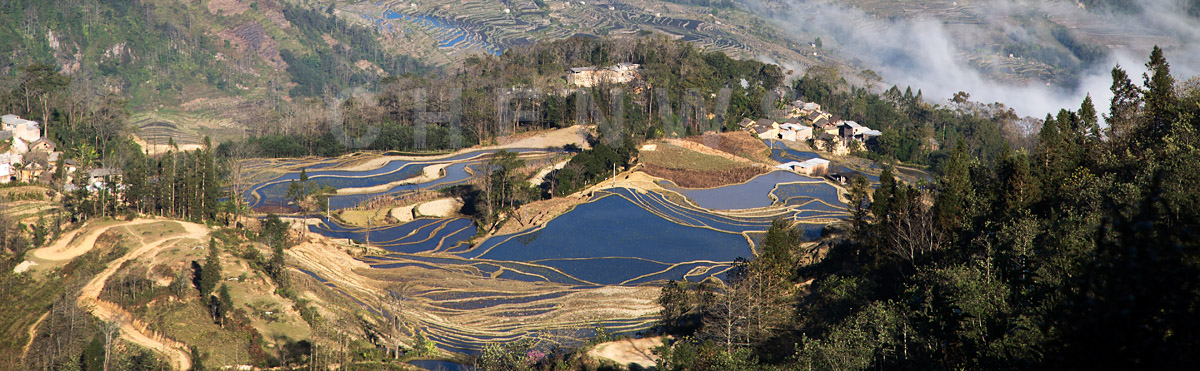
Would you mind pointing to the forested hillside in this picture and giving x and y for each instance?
(1081, 253)
(677, 78)
(915, 131)
(168, 52)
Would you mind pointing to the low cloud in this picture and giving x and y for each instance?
(931, 54)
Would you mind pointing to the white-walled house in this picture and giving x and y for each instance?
(29, 156)
(25, 130)
(811, 167)
(18, 147)
(795, 132)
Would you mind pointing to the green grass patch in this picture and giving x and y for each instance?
(189, 323)
(676, 157)
(156, 231)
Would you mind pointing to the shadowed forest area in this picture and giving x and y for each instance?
(1081, 253)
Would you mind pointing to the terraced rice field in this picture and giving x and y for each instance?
(419, 236)
(621, 238)
(757, 191)
(598, 264)
(784, 154)
(473, 26)
(270, 188)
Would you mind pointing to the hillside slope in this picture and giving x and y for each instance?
(173, 52)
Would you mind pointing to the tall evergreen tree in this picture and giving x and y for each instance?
(1160, 97)
(1124, 107)
(210, 273)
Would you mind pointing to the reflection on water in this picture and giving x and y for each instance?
(620, 237)
(274, 192)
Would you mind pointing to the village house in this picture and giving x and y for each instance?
(42, 145)
(794, 131)
(765, 129)
(868, 136)
(801, 108)
(6, 170)
(587, 77)
(823, 125)
(25, 130)
(851, 128)
(831, 143)
(27, 156)
(853, 131)
(817, 115)
(18, 146)
(31, 171)
(100, 178)
(812, 167)
(746, 123)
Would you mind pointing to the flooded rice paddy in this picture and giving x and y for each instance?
(475, 291)
(273, 192)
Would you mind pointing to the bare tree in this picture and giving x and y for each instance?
(395, 326)
(727, 319)
(111, 330)
(915, 232)
(238, 184)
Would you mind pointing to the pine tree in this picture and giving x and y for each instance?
(221, 304)
(1124, 107)
(1087, 117)
(1160, 97)
(1019, 188)
(859, 202)
(951, 205)
(210, 274)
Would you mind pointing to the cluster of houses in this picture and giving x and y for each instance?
(806, 122)
(586, 77)
(25, 156)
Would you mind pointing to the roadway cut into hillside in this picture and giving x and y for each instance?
(72, 245)
(131, 329)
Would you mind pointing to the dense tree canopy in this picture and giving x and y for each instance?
(1082, 253)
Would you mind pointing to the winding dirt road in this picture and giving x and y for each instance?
(132, 330)
(67, 248)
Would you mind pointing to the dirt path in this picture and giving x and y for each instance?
(33, 333)
(133, 330)
(537, 179)
(626, 351)
(66, 248)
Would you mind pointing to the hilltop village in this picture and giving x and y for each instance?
(804, 122)
(25, 156)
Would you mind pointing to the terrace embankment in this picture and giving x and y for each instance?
(576, 135)
(462, 307)
(694, 165)
(541, 212)
(736, 143)
(429, 173)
